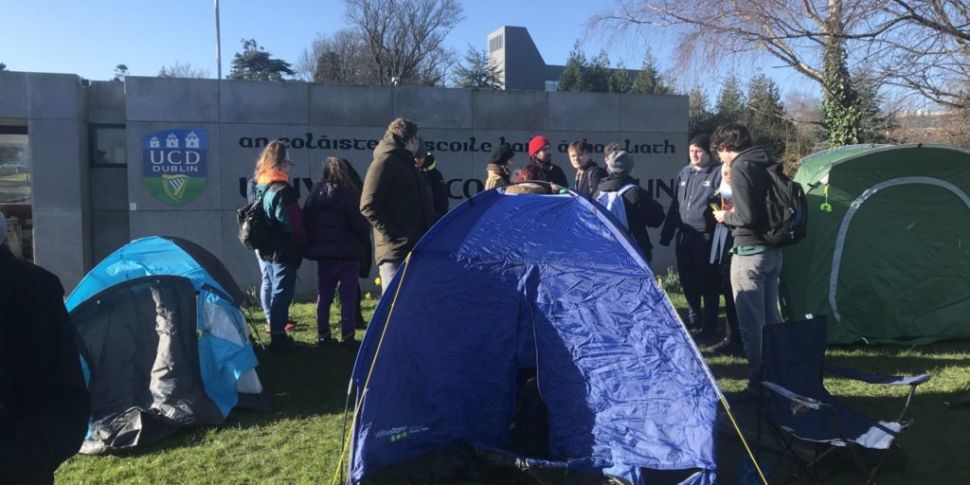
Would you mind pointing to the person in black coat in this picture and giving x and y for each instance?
(425, 161)
(337, 236)
(642, 210)
(690, 217)
(44, 403)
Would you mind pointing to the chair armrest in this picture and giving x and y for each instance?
(876, 378)
(795, 398)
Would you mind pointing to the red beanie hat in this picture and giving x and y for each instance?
(536, 144)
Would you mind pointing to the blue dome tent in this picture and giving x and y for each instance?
(550, 288)
(163, 343)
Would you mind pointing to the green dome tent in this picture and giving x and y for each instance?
(887, 254)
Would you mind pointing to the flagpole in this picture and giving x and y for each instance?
(218, 44)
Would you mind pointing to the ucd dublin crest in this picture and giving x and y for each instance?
(174, 164)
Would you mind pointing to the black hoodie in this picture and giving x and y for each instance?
(587, 183)
(642, 210)
(749, 186)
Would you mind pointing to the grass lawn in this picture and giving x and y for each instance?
(299, 440)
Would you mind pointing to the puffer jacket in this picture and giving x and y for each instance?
(335, 229)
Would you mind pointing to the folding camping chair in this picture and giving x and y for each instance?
(799, 408)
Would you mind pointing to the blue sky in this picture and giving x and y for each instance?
(90, 38)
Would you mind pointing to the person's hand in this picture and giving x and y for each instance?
(719, 216)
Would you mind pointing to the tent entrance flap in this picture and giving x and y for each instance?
(922, 264)
(142, 395)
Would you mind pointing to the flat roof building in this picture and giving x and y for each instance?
(512, 50)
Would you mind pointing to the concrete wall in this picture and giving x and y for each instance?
(82, 213)
(320, 120)
(53, 108)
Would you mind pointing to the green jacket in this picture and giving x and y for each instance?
(396, 200)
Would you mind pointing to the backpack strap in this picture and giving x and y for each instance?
(624, 189)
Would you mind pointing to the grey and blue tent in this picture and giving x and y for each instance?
(529, 312)
(163, 343)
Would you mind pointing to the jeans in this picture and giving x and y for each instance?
(754, 280)
(276, 292)
(329, 274)
(387, 269)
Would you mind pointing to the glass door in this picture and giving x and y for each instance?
(15, 192)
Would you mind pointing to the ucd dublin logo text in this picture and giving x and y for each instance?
(174, 164)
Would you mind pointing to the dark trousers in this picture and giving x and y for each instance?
(700, 278)
(329, 274)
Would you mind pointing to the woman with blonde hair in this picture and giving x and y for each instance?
(281, 257)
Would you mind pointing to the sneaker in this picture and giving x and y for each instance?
(727, 347)
(290, 325)
(325, 341)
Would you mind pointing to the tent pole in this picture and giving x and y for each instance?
(370, 372)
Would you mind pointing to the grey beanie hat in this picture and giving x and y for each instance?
(620, 162)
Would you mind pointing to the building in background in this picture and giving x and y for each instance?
(512, 50)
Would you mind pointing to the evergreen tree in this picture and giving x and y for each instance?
(477, 71)
(3, 67)
(255, 64)
(840, 107)
(876, 125)
(620, 80)
(649, 80)
(730, 102)
(571, 78)
(700, 119)
(596, 76)
(764, 115)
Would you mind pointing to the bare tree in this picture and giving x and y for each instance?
(930, 52)
(184, 71)
(338, 58)
(405, 38)
(922, 45)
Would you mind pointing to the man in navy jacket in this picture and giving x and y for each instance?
(691, 219)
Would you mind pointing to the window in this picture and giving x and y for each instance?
(496, 43)
(552, 86)
(15, 190)
(107, 144)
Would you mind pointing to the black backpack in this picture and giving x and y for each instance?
(255, 228)
(787, 209)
